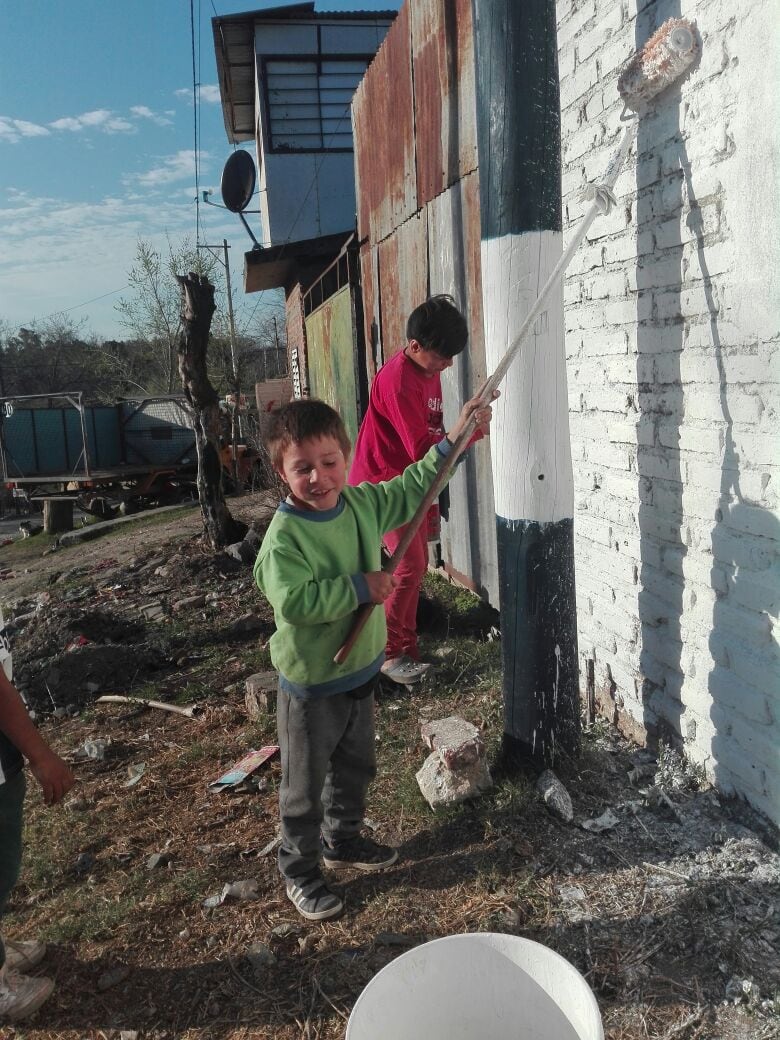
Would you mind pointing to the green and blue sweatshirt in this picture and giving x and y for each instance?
(311, 568)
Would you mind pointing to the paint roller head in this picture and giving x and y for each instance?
(666, 56)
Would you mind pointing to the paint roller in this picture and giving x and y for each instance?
(662, 61)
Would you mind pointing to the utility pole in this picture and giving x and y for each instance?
(518, 132)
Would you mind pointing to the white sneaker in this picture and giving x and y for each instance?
(23, 955)
(404, 670)
(22, 995)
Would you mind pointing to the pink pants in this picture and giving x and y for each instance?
(401, 605)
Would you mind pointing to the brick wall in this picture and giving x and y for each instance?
(672, 343)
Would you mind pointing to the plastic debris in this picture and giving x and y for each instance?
(249, 764)
(606, 822)
(134, 773)
(94, 749)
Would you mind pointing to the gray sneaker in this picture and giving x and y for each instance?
(23, 954)
(359, 853)
(312, 898)
(404, 671)
(22, 995)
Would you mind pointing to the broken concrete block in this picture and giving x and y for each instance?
(459, 742)
(245, 625)
(555, 796)
(190, 603)
(442, 786)
(244, 551)
(153, 611)
(260, 697)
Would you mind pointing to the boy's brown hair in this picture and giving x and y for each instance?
(303, 420)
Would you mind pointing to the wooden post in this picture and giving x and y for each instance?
(197, 310)
(57, 515)
(518, 128)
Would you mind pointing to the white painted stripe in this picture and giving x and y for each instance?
(530, 447)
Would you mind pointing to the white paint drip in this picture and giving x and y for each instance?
(557, 674)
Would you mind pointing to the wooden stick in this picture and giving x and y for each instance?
(363, 612)
(115, 698)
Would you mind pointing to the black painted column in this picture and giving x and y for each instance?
(518, 123)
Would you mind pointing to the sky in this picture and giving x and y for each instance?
(97, 149)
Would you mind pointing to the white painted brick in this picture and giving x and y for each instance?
(605, 342)
(705, 404)
(697, 438)
(572, 19)
(673, 367)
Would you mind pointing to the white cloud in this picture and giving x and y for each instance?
(172, 168)
(80, 250)
(144, 112)
(209, 93)
(101, 119)
(12, 130)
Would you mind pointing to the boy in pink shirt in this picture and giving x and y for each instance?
(403, 421)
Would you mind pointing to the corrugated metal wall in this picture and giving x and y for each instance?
(157, 433)
(49, 441)
(331, 348)
(418, 221)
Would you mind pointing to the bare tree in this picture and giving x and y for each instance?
(152, 311)
(197, 310)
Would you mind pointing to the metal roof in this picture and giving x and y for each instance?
(275, 266)
(234, 46)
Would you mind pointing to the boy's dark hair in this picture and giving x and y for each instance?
(300, 421)
(438, 325)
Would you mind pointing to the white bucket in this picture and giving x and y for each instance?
(484, 986)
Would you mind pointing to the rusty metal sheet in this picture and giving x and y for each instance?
(469, 538)
(444, 94)
(369, 280)
(403, 279)
(383, 129)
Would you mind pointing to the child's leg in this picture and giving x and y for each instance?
(352, 768)
(11, 805)
(310, 731)
(401, 605)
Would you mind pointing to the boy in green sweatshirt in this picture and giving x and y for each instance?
(319, 561)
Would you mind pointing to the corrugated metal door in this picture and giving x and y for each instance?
(330, 340)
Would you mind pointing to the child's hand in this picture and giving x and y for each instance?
(380, 585)
(474, 412)
(53, 775)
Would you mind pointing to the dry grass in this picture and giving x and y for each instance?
(648, 949)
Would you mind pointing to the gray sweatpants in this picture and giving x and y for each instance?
(328, 761)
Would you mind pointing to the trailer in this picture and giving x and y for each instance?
(104, 458)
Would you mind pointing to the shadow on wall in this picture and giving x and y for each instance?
(737, 709)
(741, 626)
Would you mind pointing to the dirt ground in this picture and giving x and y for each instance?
(671, 913)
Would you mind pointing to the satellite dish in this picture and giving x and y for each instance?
(238, 181)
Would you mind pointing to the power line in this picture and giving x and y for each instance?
(67, 310)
